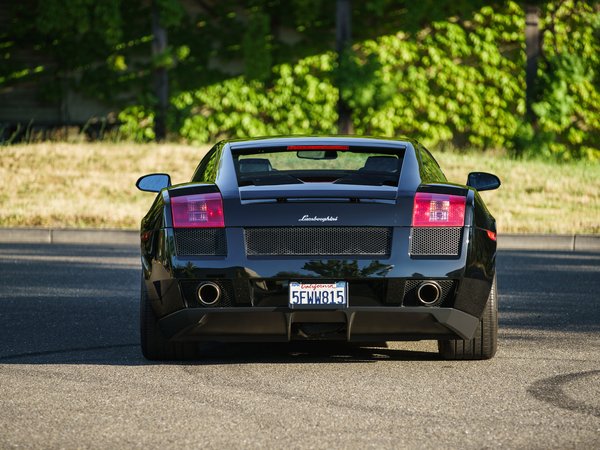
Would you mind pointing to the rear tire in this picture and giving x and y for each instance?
(154, 345)
(484, 342)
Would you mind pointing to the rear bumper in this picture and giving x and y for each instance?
(381, 298)
(358, 324)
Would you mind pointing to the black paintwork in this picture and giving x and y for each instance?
(376, 310)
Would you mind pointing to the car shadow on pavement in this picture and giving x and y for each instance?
(65, 304)
(308, 352)
(227, 354)
(549, 291)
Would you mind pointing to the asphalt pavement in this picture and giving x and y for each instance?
(506, 241)
(72, 376)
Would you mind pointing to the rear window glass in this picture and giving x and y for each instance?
(318, 164)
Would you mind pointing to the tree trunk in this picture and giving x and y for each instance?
(161, 78)
(532, 50)
(343, 29)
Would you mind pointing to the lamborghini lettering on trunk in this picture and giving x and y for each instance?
(307, 218)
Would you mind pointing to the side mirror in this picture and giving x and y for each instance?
(154, 182)
(483, 181)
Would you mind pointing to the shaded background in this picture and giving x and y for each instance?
(516, 76)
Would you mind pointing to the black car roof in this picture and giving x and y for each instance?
(318, 140)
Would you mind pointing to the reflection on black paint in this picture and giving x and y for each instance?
(334, 268)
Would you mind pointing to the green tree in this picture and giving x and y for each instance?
(442, 71)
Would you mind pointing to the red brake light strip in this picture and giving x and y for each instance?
(318, 147)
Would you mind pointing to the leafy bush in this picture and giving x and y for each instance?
(568, 108)
(459, 82)
(454, 82)
(300, 101)
(137, 123)
(451, 82)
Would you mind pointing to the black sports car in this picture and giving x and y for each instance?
(326, 238)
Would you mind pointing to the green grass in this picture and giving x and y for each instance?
(93, 185)
(535, 196)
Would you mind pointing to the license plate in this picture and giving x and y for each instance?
(318, 295)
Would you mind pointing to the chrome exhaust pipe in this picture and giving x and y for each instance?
(209, 293)
(429, 293)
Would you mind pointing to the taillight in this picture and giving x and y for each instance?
(438, 210)
(491, 235)
(198, 211)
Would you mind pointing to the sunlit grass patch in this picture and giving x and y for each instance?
(85, 185)
(535, 196)
(93, 185)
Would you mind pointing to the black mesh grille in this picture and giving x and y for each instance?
(410, 291)
(322, 241)
(435, 241)
(201, 241)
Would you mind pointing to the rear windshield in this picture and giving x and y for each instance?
(318, 164)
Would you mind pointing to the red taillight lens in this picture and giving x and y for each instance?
(491, 235)
(438, 210)
(198, 211)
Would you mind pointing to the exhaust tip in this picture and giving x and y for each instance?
(429, 293)
(209, 293)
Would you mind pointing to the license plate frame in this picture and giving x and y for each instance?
(308, 295)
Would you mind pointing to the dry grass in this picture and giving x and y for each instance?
(93, 185)
(85, 185)
(535, 196)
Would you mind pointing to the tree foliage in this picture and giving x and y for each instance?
(445, 72)
(568, 101)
